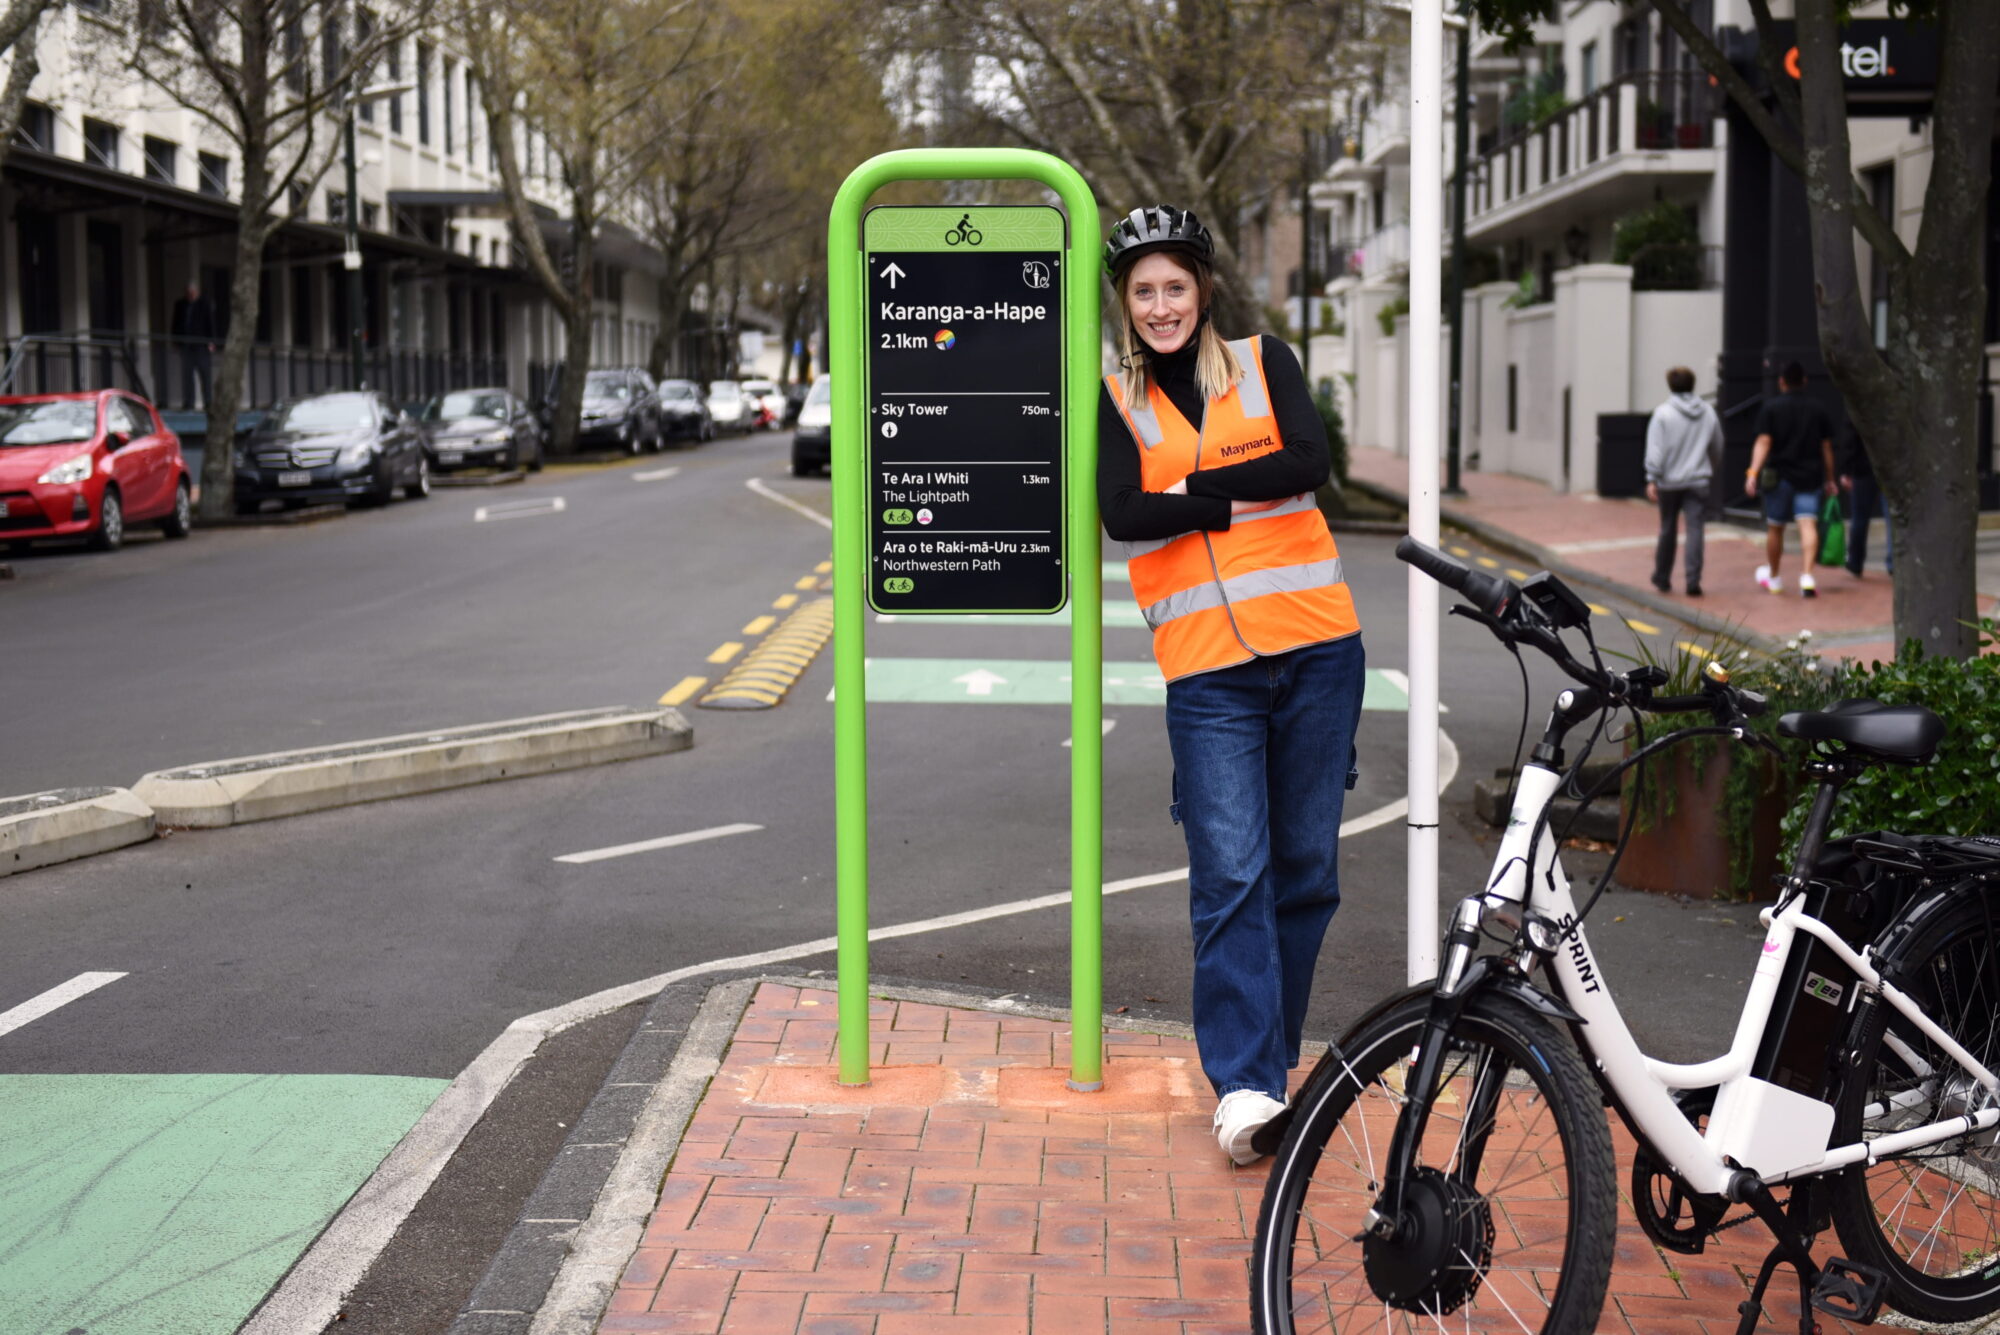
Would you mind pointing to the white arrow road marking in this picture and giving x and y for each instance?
(666, 841)
(757, 485)
(309, 1298)
(980, 681)
(1109, 724)
(36, 1007)
(519, 509)
(656, 475)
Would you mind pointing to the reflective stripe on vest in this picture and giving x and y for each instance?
(1269, 583)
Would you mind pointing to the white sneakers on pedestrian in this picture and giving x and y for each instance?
(1238, 1117)
(1808, 586)
(1769, 582)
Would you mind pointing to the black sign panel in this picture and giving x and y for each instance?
(965, 422)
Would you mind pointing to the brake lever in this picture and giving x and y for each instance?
(1492, 623)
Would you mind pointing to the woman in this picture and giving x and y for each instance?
(1209, 454)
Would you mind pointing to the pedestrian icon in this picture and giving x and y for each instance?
(1035, 273)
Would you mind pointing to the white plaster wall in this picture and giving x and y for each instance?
(1672, 329)
(1535, 447)
(1486, 385)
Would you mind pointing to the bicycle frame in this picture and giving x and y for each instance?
(1747, 1111)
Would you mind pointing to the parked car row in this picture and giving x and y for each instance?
(95, 463)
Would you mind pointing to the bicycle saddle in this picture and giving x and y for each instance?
(1906, 733)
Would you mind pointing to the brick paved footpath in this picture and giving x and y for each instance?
(965, 1190)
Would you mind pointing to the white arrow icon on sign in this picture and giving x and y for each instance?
(892, 273)
(981, 682)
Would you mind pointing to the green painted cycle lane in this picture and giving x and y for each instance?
(139, 1204)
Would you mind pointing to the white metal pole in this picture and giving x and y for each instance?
(1426, 329)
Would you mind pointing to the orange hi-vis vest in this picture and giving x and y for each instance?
(1271, 582)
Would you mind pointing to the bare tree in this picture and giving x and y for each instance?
(1194, 104)
(575, 77)
(1914, 402)
(270, 75)
(20, 26)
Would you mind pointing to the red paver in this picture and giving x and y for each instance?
(930, 1204)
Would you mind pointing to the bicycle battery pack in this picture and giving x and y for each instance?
(1816, 991)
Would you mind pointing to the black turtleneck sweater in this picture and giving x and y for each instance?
(1133, 514)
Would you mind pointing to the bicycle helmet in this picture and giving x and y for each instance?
(1161, 227)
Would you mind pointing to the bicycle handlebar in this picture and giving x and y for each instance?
(1489, 593)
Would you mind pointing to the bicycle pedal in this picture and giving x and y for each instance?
(1849, 1290)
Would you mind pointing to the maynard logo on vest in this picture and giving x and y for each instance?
(1246, 446)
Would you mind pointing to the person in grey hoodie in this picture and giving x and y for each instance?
(1683, 452)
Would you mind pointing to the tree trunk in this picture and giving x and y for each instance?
(218, 457)
(576, 367)
(19, 75)
(672, 294)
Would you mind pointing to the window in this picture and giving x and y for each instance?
(37, 129)
(371, 216)
(100, 143)
(471, 118)
(302, 307)
(162, 156)
(212, 175)
(332, 52)
(449, 78)
(336, 207)
(299, 199)
(364, 29)
(423, 93)
(394, 61)
(1589, 68)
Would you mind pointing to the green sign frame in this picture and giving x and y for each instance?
(846, 290)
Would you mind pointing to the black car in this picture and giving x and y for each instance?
(479, 428)
(812, 438)
(332, 447)
(620, 411)
(684, 411)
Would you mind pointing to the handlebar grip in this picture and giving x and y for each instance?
(1489, 593)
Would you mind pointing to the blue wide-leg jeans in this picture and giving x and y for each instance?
(1263, 758)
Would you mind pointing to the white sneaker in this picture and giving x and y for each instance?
(1808, 587)
(1238, 1117)
(1769, 582)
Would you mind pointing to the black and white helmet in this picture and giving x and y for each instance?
(1160, 227)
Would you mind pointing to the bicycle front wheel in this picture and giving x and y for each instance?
(1930, 1217)
(1508, 1221)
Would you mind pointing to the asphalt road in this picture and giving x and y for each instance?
(387, 945)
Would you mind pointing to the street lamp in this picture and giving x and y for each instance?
(351, 259)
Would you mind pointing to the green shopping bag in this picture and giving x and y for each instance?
(1833, 533)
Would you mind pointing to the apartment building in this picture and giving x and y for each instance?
(1621, 218)
(114, 200)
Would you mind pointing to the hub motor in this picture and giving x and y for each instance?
(1442, 1245)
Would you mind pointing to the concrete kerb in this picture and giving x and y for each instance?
(41, 829)
(1534, 554)
(287, 783)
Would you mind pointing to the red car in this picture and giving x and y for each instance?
(89, 465)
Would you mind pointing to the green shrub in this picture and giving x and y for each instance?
(1957, 793)
(1336, 428)
(1386, 317)
(1535, 100)
(1663, 247)
(1527, 292)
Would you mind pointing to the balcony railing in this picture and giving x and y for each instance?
(1385, 252)
(1642, 111)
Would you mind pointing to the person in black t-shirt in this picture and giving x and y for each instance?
(1792, 466)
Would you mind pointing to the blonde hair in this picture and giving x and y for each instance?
(1216, 369)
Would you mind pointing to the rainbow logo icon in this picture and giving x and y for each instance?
(944, 339)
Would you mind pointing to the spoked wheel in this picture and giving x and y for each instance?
(1930, 1218)
(1509, 1220)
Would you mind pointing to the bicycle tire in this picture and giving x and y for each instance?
(974, 238)
(1929, 1219)
(1326, 1176)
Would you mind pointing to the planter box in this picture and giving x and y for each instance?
(1688, 853)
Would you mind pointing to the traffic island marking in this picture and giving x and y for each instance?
(287, 783)
(769, 671)
(40, 829)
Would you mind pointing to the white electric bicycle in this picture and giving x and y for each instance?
(1447, 1164)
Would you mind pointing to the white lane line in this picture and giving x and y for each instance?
(656, 475)
(309, 1298)
(756, 484)
(1109, 724)
(648, 845)
(519, 509)
(36, 1007)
